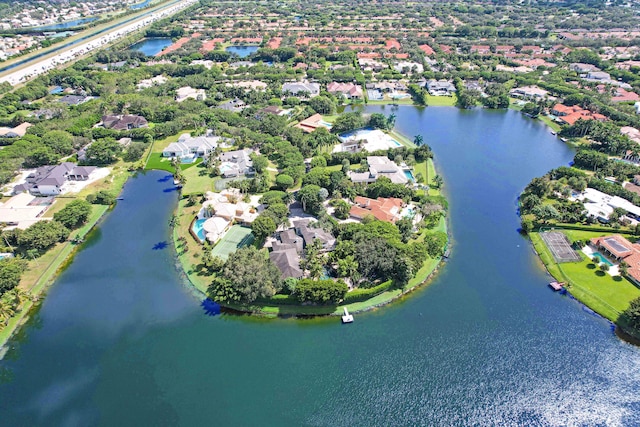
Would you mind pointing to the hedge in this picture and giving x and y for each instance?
(358, 295)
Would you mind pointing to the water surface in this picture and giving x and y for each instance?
(121, 341)
(242, 50)
(152, 46)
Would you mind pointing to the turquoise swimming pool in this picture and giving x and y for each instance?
(601, 258)
(197, 228)
(409, 175)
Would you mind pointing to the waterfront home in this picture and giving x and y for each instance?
(236, 163)
(48, 180)
(570, 115)
(379, 166)
(228, 206)
(310, 234)
(600, 205)
(533, 93)
(620, 249)
(124, 122)
(187, 92)
(71, 100)
(299, 88)
(15, 132)
(348, 90)
(189, 146)
(286, 258)
(383, 209)
(440, 88)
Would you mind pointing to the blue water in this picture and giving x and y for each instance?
(197, 228)
(119, 340)
(68, 24)
(602, 258)
(409, 175)
(242, 50)
(140, 5)
(152, 46)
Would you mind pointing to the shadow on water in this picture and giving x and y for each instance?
(160, 245)
(171, 190)
(165, 178)
(211, 308)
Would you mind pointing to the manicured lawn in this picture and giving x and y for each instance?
(402, 139)
(156, 161)
(553, 125)
(441, 101)
(604, 294)
(406, 101)
(198, 180)
(237, 237)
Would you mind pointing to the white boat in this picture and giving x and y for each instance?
(346, 317)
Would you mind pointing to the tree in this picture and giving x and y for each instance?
(348, 267)
(630, 318)
(40, 157)
(135, 151)
(59, 141)
(74, 214)
(260, 163)
(347, 122)
(546, 213)
(310, 198)
(103, 152)
(378, 121)
(11, 270)
(318, 162)
(418, 140)
(322, 105)
(342, 209)
(102, 197)
(42, 235)
(438, 181)
(252, 274)
(263, 226)
(284, 181)
(222, 290)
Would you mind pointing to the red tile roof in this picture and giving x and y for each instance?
(426, 49)
(631, 256)
(383, 209)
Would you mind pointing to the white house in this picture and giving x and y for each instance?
(294, 88)
(189, 92)
(188, 146)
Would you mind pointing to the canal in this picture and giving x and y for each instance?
(121, 340)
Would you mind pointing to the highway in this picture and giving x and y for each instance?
(74, 50)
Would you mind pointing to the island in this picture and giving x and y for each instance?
(359, 223)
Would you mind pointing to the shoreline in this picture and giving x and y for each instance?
(62, 261)
(424, 276)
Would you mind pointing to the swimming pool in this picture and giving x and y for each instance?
(197, 228)
(188, 159)
(394, 142)
(602, 258)
(409, 175)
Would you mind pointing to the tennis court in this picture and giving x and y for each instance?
(560, 247)
(236, 237)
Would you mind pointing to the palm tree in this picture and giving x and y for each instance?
(418, 140)
(438, 181)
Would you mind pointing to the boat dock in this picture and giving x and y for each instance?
(556, 286)
(346, 317)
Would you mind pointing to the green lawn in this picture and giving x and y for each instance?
(604, 294)
(198, 180)
(236, 237)
(156, 161)
(441, 101)
(553, 125)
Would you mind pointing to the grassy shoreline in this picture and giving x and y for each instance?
(606, 295)
(38, 278)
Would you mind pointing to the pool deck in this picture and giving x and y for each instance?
(614, 269)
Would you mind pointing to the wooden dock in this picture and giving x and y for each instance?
(556, 286)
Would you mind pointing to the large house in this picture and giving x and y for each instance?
(600, 205)
(286, 251)
(383, 209)
(621, 250)
(221, 210)
(48, 180)
(348, 90)
(440, 88)
(188, 92)
(380, 166)
(295, 88)
(312, 123)
(236, 163)
(124, 122)
(570, 115)
(529, 92)
(189, 146)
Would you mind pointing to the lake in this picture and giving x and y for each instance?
(140, 5)
(152, 46)
(121, 340)
(242, 50)
(67, 24)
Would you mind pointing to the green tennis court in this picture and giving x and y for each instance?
(236, 237)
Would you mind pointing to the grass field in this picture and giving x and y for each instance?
(441, 101)
(604, 294)
(198, 180)
(236, 237)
